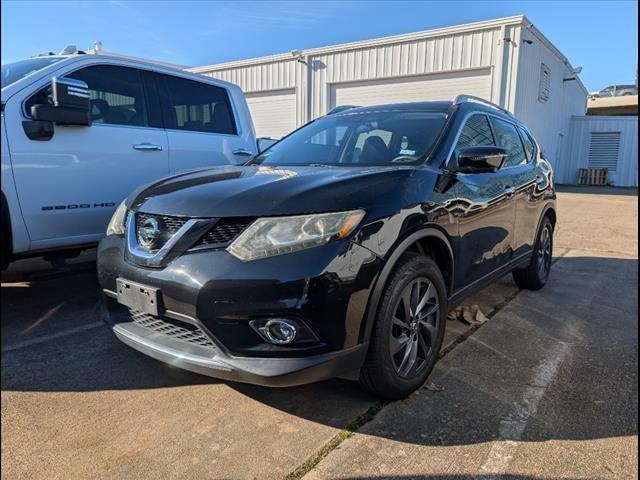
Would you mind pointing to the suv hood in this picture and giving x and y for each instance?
(251, 191)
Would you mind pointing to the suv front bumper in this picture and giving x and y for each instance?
(212, 294)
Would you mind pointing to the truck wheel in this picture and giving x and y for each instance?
(535, 275)
(409, 329)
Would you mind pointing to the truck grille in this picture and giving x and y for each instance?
(176, 329)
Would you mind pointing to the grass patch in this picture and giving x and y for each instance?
(335, 442)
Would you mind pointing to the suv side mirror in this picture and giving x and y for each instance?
(480, 159)
(71, 103)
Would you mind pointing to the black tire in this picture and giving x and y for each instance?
(5, 247)
(384, 372)
(535, 275)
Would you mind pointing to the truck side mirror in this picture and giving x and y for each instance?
(71, 103)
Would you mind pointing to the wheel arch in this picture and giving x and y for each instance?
(549, 211)
(431, 240)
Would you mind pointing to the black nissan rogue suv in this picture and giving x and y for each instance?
(338, 251)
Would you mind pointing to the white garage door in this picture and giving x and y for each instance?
(273, 113)
(442, 86)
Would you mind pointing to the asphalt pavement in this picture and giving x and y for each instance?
(546, 389)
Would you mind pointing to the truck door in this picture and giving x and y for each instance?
(69, 186)
(201, 125)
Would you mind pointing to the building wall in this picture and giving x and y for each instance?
(493, 48)
(432, 55)
(548, 121)
(462, 48)
(576, 153)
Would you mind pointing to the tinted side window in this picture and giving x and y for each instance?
(528, 144)
(507, 137)
(196, 106)
(475, 132)
(117, 96)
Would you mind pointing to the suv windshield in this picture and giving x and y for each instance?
(12, 72)
(359, 139)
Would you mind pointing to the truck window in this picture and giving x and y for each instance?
(196, 106)
(117, 95)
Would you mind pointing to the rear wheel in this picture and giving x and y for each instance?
(409, 329)
(535, 275)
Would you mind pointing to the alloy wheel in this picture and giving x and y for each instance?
(544, 252)
(414, 331)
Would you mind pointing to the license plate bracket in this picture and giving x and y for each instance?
(138, 296)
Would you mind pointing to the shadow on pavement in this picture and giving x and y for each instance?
(459, 477)
(94, 360)
(594, 190)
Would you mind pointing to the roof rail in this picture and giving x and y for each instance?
(341, 108)
(466, 98)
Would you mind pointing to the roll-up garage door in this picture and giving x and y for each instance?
(441, 86)
(273, 113)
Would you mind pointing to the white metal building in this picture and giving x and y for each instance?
(609, 142)
(507, 61)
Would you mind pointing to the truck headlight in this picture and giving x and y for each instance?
(278, 235)
(116, 224)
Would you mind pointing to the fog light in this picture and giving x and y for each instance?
(278, 331)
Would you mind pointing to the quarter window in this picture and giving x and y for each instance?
(196, 106)
(528, 144)
(475, 132)
(507, 137)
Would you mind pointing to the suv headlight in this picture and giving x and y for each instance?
(116, 224)
(277, 235)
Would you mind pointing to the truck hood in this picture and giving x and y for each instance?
(240, 191)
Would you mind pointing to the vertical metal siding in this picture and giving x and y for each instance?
(444, 53)
(447, 53)
(576, 152)
(498, 46)
(548, 121)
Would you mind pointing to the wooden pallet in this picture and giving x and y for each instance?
(592, 176)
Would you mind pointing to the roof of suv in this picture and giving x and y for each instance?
(442, 106)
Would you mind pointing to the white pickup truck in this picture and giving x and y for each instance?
(81, 131)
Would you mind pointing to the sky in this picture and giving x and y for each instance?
(601, 37)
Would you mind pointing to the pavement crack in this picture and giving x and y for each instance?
(351, 429)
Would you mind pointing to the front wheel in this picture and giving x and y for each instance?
(409, 329)
(535, 275)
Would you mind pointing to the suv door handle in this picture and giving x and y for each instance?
(147, 147)
(509, 192)
(242, 151)
(539, 179)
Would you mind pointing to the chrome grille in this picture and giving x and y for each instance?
(176, 329)
(224, 231)
(171, 224)
(168, 227)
